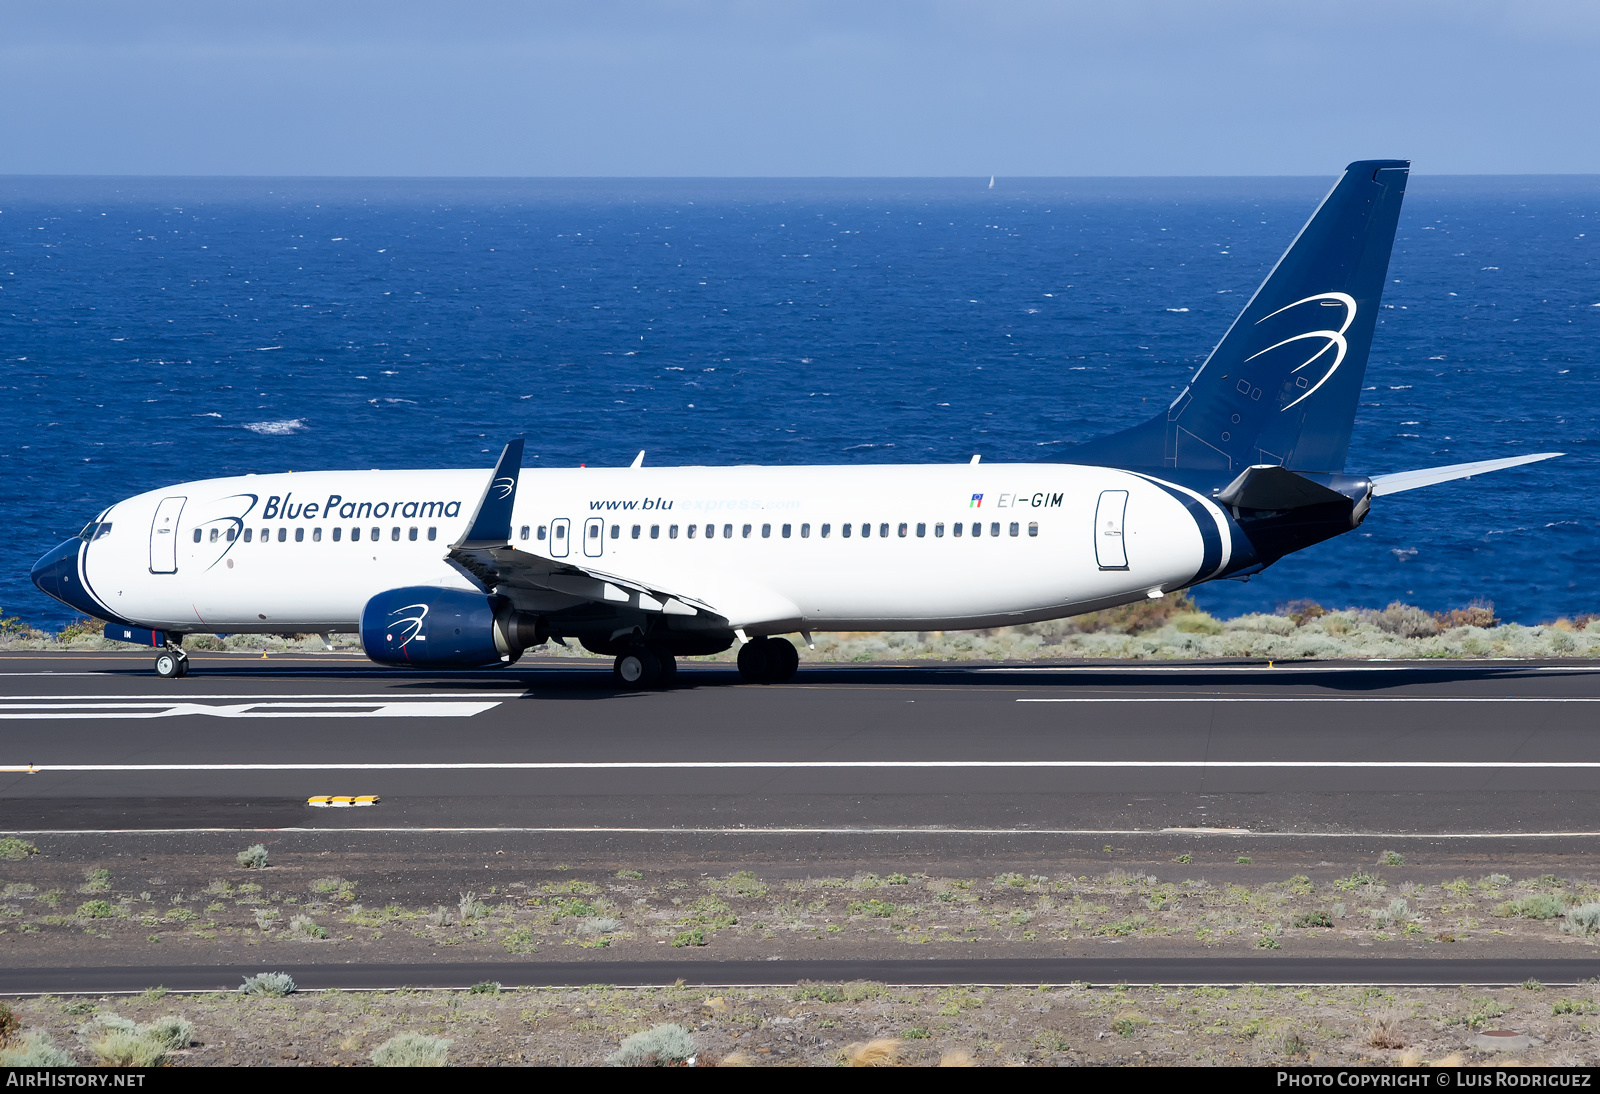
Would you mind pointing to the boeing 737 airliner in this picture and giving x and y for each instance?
(463, 569)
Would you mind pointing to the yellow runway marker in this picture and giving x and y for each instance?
(341, 801)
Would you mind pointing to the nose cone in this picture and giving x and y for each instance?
(57, 574)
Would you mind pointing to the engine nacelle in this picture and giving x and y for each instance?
(423, 626)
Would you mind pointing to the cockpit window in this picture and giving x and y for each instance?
(103, 531)
(88, 531)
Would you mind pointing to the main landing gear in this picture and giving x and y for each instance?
(171, 664)
(643, 667)
(768, 661)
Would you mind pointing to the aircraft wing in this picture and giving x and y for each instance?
(508, 566)
(486, 552)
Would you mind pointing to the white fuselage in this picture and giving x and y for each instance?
(765, 547)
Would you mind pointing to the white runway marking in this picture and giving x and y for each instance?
(804, 765)
(1306, 699)
(604, 830)
(275, 696)
(139, 711)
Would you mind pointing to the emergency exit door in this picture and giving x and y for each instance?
(594, 537)
(1109, 549)
(559, 541)
(164, 536)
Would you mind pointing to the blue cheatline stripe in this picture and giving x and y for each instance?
(1205, 523)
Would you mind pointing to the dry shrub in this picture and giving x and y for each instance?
(1385, 1031)
(1406, 621)
(878, 1052)
(737, 1058)
(957, 1057)
(1412, 1057)
(1479, 613)
(1455, 1059)
(1138, 617)
(1302, 611)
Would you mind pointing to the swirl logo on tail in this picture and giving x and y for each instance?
(1332, 339)
(503, 487)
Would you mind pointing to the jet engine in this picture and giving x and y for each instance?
(422, 626)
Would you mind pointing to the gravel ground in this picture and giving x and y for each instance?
(829, 1025)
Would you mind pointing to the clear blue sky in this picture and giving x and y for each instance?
(714, 87)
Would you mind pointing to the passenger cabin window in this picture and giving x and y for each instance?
(355, 535)
(594, 531)
(994, 529)
(1033, 528)
(844, 530)
(411, 533)
(316, 535)
(541, 533)
(635, 531)
(692, 527)
(922, 531)
(866, 530)
(746, 531)
(786, 528)
(805, 531)
(766, 531)
(299, 535)
(902, 531)
(616, 532)
(433, 533)
(337, 532)
(826, 528)
(938, 530)
(711, 531)
(655, 531)
(955, 529)
(977, 529)
(1015, 528)
(561, 531)
(283, 535)
(883, 530)
(197, 534)
(394, 534)
(375, 535)
(525, 531)
(672, 531)
(214, 533)
(727, 531)
(247, 535)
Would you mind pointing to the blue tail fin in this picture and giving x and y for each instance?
(1281, 387)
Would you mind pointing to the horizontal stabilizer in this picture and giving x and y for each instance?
(1269, 486)
(1411, 480)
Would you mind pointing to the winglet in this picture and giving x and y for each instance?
(491, 522)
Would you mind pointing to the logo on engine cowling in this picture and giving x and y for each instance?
(410, 625)
(1332, 339)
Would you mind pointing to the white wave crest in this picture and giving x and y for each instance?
(277, 429)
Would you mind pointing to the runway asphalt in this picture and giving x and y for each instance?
(96, 741)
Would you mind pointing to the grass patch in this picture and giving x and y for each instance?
(412, 1050)
(1537, 906)
(270, 984)
(694, 936)
(13, 848)
(96, 909)
(253, 857)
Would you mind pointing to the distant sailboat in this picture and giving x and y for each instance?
(991, 182)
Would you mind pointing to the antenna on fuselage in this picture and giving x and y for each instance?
(638, 461)
(976, 458)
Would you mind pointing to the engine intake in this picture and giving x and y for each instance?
(423, 626)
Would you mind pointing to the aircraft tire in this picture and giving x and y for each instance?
(637, 668)
(754, 661)
(669, 668)
(783, 660)
(169, 666)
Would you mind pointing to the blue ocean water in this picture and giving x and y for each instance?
(155, 330)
